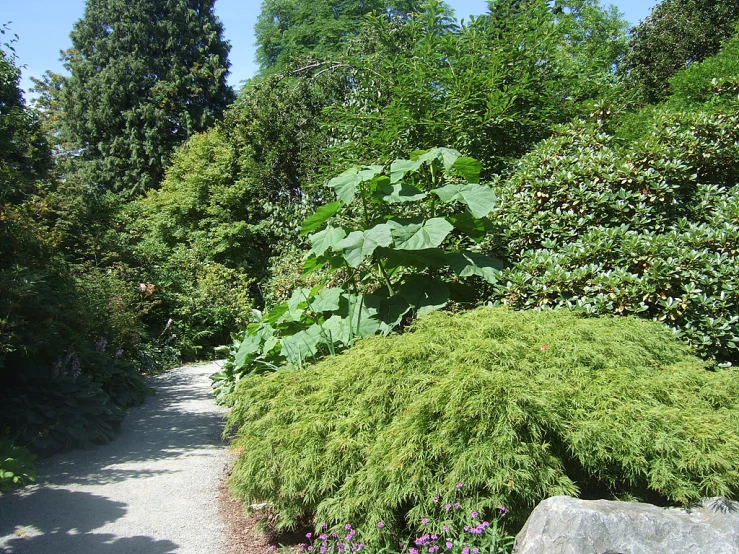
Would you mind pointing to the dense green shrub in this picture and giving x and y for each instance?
(516, 406)
(646, 222)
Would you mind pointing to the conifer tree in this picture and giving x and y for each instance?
(145, 75)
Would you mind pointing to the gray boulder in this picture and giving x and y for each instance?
(564, 525)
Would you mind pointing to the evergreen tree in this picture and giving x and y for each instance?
(145, 75)
(291, 29)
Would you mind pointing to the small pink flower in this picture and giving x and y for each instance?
(459, 485)
(448, 507)
(446, 528)
(424, 521)
(474, 515)
(380, 525)
(449, 545)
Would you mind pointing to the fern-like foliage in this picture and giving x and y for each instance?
(517, 406)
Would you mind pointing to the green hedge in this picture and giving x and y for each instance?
(516, 406)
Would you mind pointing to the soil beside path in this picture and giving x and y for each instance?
(153, 490)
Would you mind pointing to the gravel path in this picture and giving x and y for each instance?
(153, 490)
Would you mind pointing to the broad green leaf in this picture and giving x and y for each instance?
(345, 185)
(424, 293)
(369, 172)
(398, 193)
(378, 183)
(313, 264)
(327, 300)
(479, 199)
(390, 310)
(276, 313)
(359, 315)
(420, 259)
(476, 229)
(323, 240)
(296, 305)
(447, 156)
(466, 264)
(250, 345)
(468, 168)
(302, 346)
(399, 168)
(269, 344)
(338, 329)
(320, 217)
(460, 292)
(420, 236)
(360, 244)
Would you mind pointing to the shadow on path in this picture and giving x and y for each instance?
(67, 526)
(148, 491)
(169, 425)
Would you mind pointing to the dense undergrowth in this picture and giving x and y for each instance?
(517, 406)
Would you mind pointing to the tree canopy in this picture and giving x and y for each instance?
(144, 76)
(291, 29)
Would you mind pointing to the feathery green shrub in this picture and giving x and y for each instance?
(517, 406)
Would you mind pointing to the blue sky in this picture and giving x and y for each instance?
(43, 27)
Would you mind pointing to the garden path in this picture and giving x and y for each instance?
(153, 490)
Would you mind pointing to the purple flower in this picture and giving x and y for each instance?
(308, 535)
(466, 528)
(448, 507)
(436, 499)
(434, 537)
(380, 525)
(310, 549)
(459, 485)
(475, 550)
(323, 550)
(485, 524)
(322, 526)
(457, 506)
(449, 545)
(503, 509)
(425, 520)
(446, 528)
(474, 515)
(412, 551)
(348, 527)
(323, 537)
(465, 551)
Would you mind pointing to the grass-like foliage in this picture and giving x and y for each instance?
(517, 406)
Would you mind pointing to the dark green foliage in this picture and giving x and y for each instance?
(288, 30)
(16, 466)
(516, 406)
(60, 383)
(491, 88)
(676, 34)
(145, 76)
(647, 228)
(65, 412)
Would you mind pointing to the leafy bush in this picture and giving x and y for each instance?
(54, 415)
(399, 240)
(16, 466)
(648, 229)
(517, 406)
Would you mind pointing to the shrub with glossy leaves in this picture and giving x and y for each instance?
(648, 228)
(517, 406)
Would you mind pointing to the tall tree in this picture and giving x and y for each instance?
(291, 29)
(677, 34)
(145, 75)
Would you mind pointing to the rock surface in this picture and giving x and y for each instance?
(564, 525)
